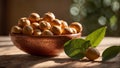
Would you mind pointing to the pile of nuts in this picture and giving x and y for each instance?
(46, 25)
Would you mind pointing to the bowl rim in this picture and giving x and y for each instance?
(66, 35)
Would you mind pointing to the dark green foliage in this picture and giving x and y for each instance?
(96, 13)
(110, 52)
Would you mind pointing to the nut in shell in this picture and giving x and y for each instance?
(41, 19)
(23, 22)
(67, 30)
(47, 33)
(34, 17)
(35, 25)
(92, 53)
(28, 30)
(77, 26)
(16, 29)
(63, 24)
(37, 32)
(55, 22)
(74, 31)
(56, 30)
(44, 25)
(49, 17)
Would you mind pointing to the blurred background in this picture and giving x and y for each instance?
(92, 14)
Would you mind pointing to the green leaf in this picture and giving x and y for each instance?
(110, 52)
(76, 48)
(96, 36)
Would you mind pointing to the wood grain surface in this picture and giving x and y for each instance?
(12, 57)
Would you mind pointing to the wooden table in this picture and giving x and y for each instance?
(12, 57)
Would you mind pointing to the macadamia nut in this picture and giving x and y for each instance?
(56, 30)
(47, 33)
(92, 53)
(35, 25)
(23, 22)
(49, 17)
(28, 30)
(44, 25)
(55, 22)
(64, 24)
(77, 26)
(16, 29)
(34, 17)
(37, 32)
(67, 30)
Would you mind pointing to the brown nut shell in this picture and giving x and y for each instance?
(34, 17)
(37, 32)
(23, 22)
(49, 17)
(35, 25)
(63, 24)
(56, 30)
(44, 25)
(67, 30)
(41, 19)
(77, 26)
(74, 31)
(47, 33)
(28, 30)
(55, 22)
(92, 53)
(16, 29)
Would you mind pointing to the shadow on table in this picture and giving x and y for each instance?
(5, 43)
(27, 61)
(6, 46)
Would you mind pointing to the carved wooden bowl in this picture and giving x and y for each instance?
(42, 45)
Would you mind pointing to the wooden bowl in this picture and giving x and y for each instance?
(42, 45)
